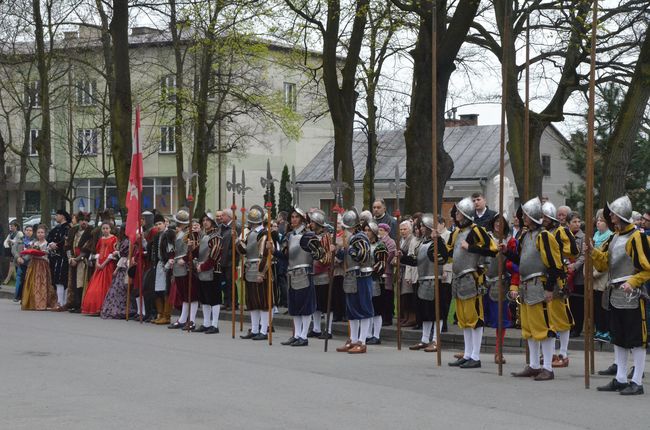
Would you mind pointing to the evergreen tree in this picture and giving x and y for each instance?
(638, 173)
(271, 198)
(285, 195)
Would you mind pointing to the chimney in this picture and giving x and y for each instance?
(465, 120)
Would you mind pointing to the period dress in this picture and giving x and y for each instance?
(102, 277)
(38, 292)
(114, 304)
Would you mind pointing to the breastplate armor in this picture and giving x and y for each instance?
(426, 269)
(204, 254)
(252, 257)
(180, 249)
(621, 266)
(298, 257)
(464, 261)
(530, 261)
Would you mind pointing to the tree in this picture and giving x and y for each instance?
(340, 83)
(624, 151)
(270, 197)
(608, 112)
(285, 195)
(450, 35)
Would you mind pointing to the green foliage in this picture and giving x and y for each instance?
(637, 176)
(270, 197)
(285, 195)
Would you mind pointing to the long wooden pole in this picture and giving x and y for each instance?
(397, 285)
(526, 195)
(589, 199)
(499, 234)
(190, 262)
(434, 170)
(233, 288)
(269, 272)
(128, 286)
(330, 285)
(242, 275)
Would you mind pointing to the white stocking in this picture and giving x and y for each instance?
(184, 313)
(207, 315)
(329, 327)
(194, 308)
(364, 330)
(477, 338)
(638, 355)
(297, 326)
(317, 316)
(60, 294)
(305, 326)
(564, 343)
(376, 328)
(264, 318)
(215, 315)
(434, 338)
(354, 330)
(467, 337)
(548, 349)
(426, 331)
(620, 358)
(255, 322)
(533, 351)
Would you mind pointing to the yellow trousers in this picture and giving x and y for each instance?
(535, 321)
(470, 312)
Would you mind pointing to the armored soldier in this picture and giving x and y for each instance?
(560, 310)
(357, 282)
(466, 245)
(164, 249)
(301, 292)
(379, 257)
(256, 297)
(182, 257)
(540, 268)
(626, 258)
(321, 274)
(208, 273)
(423, 259)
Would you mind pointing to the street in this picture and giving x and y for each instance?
(63, 371)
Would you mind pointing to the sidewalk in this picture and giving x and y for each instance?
(452, 339)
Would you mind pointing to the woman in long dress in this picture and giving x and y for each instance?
(38, 292)
(115, 303)
(103, 275)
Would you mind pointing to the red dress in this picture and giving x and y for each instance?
(101, 280)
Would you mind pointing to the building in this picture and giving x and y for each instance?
(474, 149)
(81, 159)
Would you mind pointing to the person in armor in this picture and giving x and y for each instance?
(321, 275)
(626, 255)
(540, 268)
(379, 255)
(467, 244)
(256, 297)
(208, 274)
(560, 310)
(499, 230)
(226, 230)
(58, 261)
(301, 293)
(78, 251)
(166, 239)
(357, 282)
(179, 265)
(423, 259)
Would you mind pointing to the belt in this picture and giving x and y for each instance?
(533, 275)
(620, 279)
(299, 266)
(464, 272)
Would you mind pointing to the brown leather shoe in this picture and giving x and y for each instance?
(499, 359)
(560, 361)
(359, 348)
(418, 346)
(544, 375)
(345, 347)
(527, 372)
(433, 347)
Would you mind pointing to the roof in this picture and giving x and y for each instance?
(474, 149)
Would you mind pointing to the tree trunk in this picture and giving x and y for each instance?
(121, 108)
(178, 106)
(4, 195)
(626, 132)
(201, 138)
(43, 142)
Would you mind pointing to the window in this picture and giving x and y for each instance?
(86, 92)
(167, 140)
(168, 88)
(157, 193)
(32, 202)
(87, 141)
(290, 95)
(33, 135)
(33, 94)
(546, 164)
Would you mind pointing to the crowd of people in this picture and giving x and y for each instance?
(350, 268)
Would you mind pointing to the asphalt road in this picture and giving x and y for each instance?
(62, 371)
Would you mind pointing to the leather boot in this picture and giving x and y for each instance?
(166, 313)
(159, 310)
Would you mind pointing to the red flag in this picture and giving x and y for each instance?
(135, 184)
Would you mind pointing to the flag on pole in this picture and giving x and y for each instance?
(135, 183)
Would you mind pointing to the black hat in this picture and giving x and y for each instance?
(65, 214)
(158, 218)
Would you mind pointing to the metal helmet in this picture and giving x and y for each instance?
(365, 216)
(427, 220)
(374, 227)
(350, 218)
(255, 215)
(533, 210)
(182, 217)
(299, 211)
(622, 208)
(549, 210)
(318, 217)
(466, 207)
